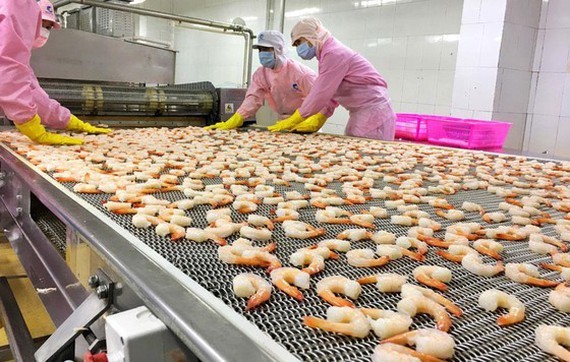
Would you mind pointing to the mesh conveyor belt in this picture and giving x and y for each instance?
(52, 228)
(476, 333)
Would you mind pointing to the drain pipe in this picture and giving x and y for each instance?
(225, 28)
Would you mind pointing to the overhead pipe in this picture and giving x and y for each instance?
(225, 28)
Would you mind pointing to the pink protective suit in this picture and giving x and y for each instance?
(349, 79)
(21, 97)
(284, 88)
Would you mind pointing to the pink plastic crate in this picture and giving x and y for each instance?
(467, 133)
(411, 127)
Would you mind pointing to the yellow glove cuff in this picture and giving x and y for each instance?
(32, 128)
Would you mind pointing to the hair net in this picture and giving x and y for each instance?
(311, 29)
(48, 12)
(273, 39)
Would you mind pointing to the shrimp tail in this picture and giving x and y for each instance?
(334, 300)
(368, 279)
(431, 282)
(289, 289)
(258, 298)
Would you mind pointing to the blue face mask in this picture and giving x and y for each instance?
(267, 59)
(306, 51)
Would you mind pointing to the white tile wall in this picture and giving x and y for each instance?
(558, 14)
(562, 144)
(556, 50)
(543, 134)
(514, 87)
(516, 133)
(548, 99)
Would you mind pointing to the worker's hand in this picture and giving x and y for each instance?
(235, 121)
(311, 124)
(37, 133)
(288, 123)
(75, 124)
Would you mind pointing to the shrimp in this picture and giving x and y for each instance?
(474, 264)
(362, 258)
(527, 274)
(283, 277)
(386, 323)
(551, 338)
(433, 276)
(199, 235)
(383, 237)
(344, 320)
(302, 257)
(545, 239)
(492, 299)
(258, 220)
(216, 214)
(364, 220)
(232, 255)
(295, 195)
(559, 297)
(378, 212)
(454, 215)
(326, 288)
(265, 257)
(301, 230)
(335, 244)
(244, 206)
(396, 252)
(355, 235)
(564, 271)
(253, 286)
(391, 352)
(260, 234)
(494, 217)
(386, 283)
(408, 242)
(176, 232)
(489, 247)
(428, 223)
(456, 252)
(82, 188)
(562, 259)
(410, 290)
(428, 341)
(440, 203)
(293, 204)
(504, 233)
(242, 244)
(329, 217)
(285, 214)
(411, 305)
(402, 220)
(472, 207)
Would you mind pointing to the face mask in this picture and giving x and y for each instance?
(42, 39)
(267, 59)
(306, 51)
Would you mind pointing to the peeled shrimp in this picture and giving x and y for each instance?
(329, 217)
(232, 255)
(338, 284)
(433, 276)
(315, 262)
(429, 341)
(494, 217)
(285, 214)
(560, 298)
(402, 220)
(176, 232)
(344, 320)
(474, 264)
(244, 206)
(472, 207)
(414, 304)
(355, 235)
(378, 212)
(391, 352)
(301, 230)
(453, 214)
(408, 242)
(527, 274)
(396, 252)
(199, 235)
(363, 258)
(386, 282)
(383, 237)
(258, 220)
(429, 223)
(489, 247)
(143, 221)
(543, 244)
(551, 338)
(492, 299)
(386, 323)
(364, 220)
(253, 286)
(288, 279)
(411, 290)
(260, 234)
(456, 252)
(335, 244)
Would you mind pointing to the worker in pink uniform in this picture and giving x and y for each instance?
(24, 25)
(283, 82)
(346, 77)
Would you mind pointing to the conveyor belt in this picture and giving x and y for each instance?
(476, 333)
(51, 226)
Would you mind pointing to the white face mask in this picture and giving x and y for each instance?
(42, 39)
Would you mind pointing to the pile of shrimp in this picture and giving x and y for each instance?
(313, 184)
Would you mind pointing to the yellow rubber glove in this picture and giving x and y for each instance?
(311, 124)
(235, 121)
(288, 123)
(75, 124)
(37, 133)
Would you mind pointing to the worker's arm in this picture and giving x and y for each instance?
(332, 70)
(306, 83)
(18, 24)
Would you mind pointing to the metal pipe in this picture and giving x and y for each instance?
(225, 27)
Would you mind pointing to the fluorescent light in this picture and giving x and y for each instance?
(302, 12)
(135, 2)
